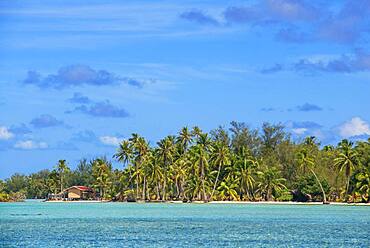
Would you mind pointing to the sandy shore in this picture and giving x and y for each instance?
(76, 201)
(289, 203)
(230, 202)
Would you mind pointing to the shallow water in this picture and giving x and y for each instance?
(38, 224)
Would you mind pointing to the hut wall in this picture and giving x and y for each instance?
(74, 193)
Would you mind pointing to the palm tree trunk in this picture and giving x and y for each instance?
(144, 187)
(164, 189)
(61, 183)
(158, 195)
(137, 181)
(203, 187)
(347, 185)
(322, 189)
(337, 188)
(165, 179)
(268, 194)
(182, 190)
(214, 186)
(177, 188)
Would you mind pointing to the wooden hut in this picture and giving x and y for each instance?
(79, 193)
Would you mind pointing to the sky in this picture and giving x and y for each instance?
(77, 77)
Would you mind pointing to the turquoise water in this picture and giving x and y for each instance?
(37, 224)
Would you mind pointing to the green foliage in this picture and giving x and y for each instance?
(347, 159)
(270, 183)
(4, 197)
(362, 183)
(234, 163)
(16, 183)
(307, 185)
(102, 172)
(285, 195)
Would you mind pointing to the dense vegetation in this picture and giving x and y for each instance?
(239, 163)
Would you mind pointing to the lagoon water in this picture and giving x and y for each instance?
(38, 224)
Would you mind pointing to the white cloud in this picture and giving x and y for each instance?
(29, 145)
(5, 134)
(110, 140)
(299, 131)
(356, 126)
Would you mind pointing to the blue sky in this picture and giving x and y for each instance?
(77, 77)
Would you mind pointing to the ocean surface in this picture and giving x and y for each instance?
(38, 224)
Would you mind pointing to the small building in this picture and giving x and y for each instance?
(55, 197)
(79, 193)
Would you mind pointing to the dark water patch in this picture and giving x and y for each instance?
(38, 214)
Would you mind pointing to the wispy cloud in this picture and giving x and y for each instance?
(272, 11)
(307, 107)
(200, 17)
(237, 14)
(301, 129)
(268, 109)
(84, 136)
(347, 25)
(305, 124)
(292, 35)
(273, 69)
(5, 133)
(360, 61)
(321, 21)
(30, 145)
(102, 109)
(110, 140)
(305, 127)
(79, 98)
(20, 129)
(78, 75)
(46, 120)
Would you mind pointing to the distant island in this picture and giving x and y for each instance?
(227, 164)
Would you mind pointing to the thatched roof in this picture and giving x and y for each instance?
(81, 188)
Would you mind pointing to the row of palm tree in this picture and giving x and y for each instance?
(239, 164)
(196, 166)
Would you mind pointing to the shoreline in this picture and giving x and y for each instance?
(227, 202)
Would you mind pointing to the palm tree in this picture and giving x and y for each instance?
(328, 148)
(141, 150)
(346, 160)
(311, 141)
(196, 132)
(228, 188)
(200, 156)
(179, 172)
(143, 173)
(62, 169)
(192, 188)
(307, 161)
(270, 181)
(124, 152)
(166, 150)
(363, 183)
(220, 156)
(244, 166)
(184, 138)
(155, 173)
(101, 172)
(52, 182)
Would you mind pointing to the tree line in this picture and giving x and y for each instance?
(236, 163)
